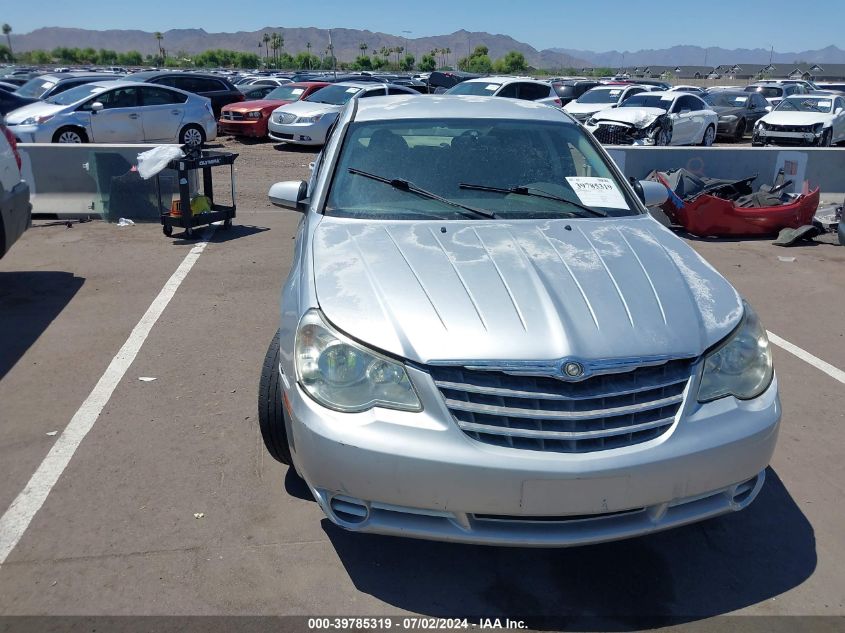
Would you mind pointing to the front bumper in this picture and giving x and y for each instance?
(787, 138)
(419, 475)
(726, 128)
(254, 128)
(298, 133)
(15, 215)
(28, 134)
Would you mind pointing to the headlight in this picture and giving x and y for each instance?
(309, 119)
(728, 118)
(817, 128)
(741, 366)
(343, 375)
(761, 126)
(36, 120)
(254, 115)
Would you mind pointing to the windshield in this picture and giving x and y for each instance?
(337, 94)
(803, 104)
(536, 161)
(726, 99)
(286, 93)
(770, 92)
(35, 87)
(604, 95)
(75, 94)
(645, 100)
(477, 88)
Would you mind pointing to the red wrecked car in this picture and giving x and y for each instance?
(710, 207)
(249, 118)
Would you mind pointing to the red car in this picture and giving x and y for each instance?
(249, 118)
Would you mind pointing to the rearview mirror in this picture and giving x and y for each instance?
(653, 193)
(290, 194)
(96, 106)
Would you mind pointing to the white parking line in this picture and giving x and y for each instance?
(807, 357)
(18, 516)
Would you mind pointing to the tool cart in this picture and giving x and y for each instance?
(202, 210)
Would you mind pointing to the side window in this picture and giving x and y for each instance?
(759, 101)
(839, 103)
(632, 92)
(371, 92)
(151, 96)
(173, 82)
(509, 91)
(694, 104)
(206, 84)
(679, 105)
(532, 92)
(118, 98)
(396, 91)
(65, 85)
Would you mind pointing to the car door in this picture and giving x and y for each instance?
(839, 119)
(755, 109)
(162, 111)
(683, 125)
(697, 109)
(120, 120)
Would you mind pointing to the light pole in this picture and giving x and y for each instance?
(407, 51)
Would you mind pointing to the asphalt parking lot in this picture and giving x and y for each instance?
(117, 533)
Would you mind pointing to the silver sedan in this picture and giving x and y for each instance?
(116, 112)
(486, 338)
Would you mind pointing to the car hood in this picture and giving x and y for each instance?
(40, 108)
(525, 290)
(309, 108)
(585, 108)
(796, 118)
(258, 104)
(639, 117)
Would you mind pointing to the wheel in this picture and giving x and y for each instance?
(227, 223)
(840, 232)
(709, 136)
(189, 233)
(740, 131)
(167, 230)
(664, 137)
(70, 135)
(827, 137)
(272, 417)
(192, 135)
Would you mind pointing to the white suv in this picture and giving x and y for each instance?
(15, 210)
(512, 87)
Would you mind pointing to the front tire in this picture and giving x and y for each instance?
(664, 137)
(192, 136)
(709, 136)
(271, 408)
(70, 135)
(827, 138)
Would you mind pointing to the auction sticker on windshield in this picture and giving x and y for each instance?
(597, 192)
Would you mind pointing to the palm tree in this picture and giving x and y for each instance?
(363, 48)
(448, 52)
(266, 39)
(308, 46)
(7, 30)
(159, 37)
(399, 50)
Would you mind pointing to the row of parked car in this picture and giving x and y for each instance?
(299, 108)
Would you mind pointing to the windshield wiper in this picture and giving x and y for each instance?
(531, 191)
(404, 185)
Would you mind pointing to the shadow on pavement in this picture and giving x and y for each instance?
(29, 301)
(236, 231)
(681, 575)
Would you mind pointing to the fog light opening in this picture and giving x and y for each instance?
(348, 510)
(744, 491)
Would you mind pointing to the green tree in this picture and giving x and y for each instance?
(512, 63)
(305, 60)
(407, 63)
(266, 39)
(88, 56)
(6, 54)
(477, 62)
(428, 63)
(130, 58)
(7, 31)
(362, 62)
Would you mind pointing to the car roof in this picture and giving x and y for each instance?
(72, 75)
(674, 94)
(499, 79)
(454, 107)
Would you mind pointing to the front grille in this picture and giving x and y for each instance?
(542, 413)
(233, 116)
(613, 135)
(797, 129)
(285, 117)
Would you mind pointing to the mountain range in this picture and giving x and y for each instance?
(347, 46)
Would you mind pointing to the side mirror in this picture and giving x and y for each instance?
(653, 193)
(838, 111)
(96, 106)
(290, 194)
(768, 108)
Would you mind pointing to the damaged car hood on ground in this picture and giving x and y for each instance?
(638, 117)
(530, 289)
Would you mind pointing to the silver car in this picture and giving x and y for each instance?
(307, 121)
(116, 112)
(486, 338)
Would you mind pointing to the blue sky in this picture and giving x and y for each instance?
(598, 26)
